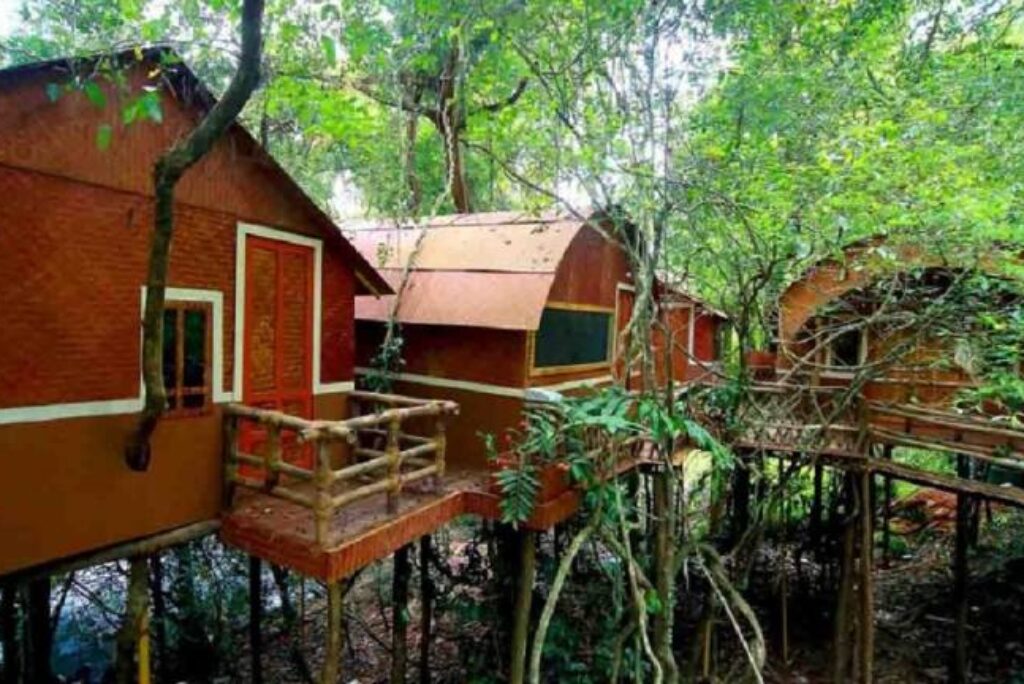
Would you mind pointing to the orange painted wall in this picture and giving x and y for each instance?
(74, 237)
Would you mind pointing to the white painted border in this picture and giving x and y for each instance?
(488, 388)
(244, 231)
(113, 407)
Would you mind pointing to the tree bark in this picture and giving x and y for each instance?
(294, 631)
(156, 568)
(167, 171)
(426, 608)
(134, 626)
(664, 560)
(400, 614)
(256, 618)
(524, 600)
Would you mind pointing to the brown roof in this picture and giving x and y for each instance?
(189, 89)
(491, 270)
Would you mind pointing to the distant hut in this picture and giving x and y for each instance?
(503, 308)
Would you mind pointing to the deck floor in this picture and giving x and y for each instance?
(360, 533)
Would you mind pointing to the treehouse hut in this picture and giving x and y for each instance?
(504, 308)
(259, 303)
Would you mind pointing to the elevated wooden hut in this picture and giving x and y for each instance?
(259, 303)
(503, 308)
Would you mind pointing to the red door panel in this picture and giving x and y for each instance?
(278, 345)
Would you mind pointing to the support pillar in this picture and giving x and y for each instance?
(400, 614)
(524, 599)
(426, 608)
(37, 636)
(132, 658)
(867, 598)
(958, 673)
(332, 654)
(256, 618)
(11, 671)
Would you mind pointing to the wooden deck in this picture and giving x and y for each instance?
(283, 532)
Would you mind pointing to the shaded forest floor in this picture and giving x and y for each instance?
(914, 629)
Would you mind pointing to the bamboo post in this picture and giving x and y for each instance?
(394, 463)
(272, 457)
(524, 599)
(440, 444)
(322, 512)
(332, 655)
(256, 617)
(230, 457)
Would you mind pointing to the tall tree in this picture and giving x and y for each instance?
(166, 173)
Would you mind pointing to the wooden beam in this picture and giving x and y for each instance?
(138, 547)
(256, 618)
(332, 654)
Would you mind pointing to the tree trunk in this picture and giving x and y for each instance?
(156, 568)
(167, 171)
(38, 636)
(426, 608)
(400, 614)
(295, 632)
(664, 561)
(11, 672)
(256, 618)
(134, 628)
(524, 600)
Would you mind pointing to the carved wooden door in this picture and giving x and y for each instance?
(278, 346)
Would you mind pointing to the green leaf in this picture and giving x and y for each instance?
(330, 51)
(103, 135)
(52, 91)
(652, 602)
(151, 106)
(95, 94)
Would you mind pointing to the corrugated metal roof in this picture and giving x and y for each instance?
(508, 301)
(491, 270)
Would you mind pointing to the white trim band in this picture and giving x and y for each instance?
(488, 388)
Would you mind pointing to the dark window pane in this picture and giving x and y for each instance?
(846, 349)
(170, 349)
(194, 374)
(569, 338)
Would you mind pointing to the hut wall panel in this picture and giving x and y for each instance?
(479, 413)
(495, 357)
(590, 271)
(66, 489)
(60, 138)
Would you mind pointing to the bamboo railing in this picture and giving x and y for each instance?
(384, 458)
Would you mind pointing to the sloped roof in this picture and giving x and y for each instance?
(490, 270)
(190, 90)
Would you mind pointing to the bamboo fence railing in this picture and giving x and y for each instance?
(384, 457)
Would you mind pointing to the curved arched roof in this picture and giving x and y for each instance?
(490, 270)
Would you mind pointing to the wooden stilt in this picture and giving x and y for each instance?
(332, 654)
(143, 650)
(11, 671)
(426, 608)
(400, 614)
(841, 639)
(867, 599)
(37, 636)
(256, 618)
(958, 673)
(524, 599)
